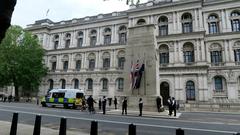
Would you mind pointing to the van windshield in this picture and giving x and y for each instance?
(79, 95)
(58, 95)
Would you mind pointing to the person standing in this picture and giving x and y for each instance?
(100, 104)
(140, 106)
(158, 101)
(115, 102)
(104, 102)
(169, 106)
(124, 106)
(90, 104)
(174, 106)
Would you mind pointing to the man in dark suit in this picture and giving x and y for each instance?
(174, 106)
(104, 103)
(158, 101)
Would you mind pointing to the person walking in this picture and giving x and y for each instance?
(100, 104)
(158, 101)
(174, 106)
(115, 102)
(140, 106)
(124, 106)
(169, 106)
(104, 103)
(90, 102)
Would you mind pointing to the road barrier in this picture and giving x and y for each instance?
(63, 127)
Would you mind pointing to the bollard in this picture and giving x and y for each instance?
(63, 126)
(14, 124)
(94, 128)
(179, 131)
(37, 126)
(237, 134)
(132, 129)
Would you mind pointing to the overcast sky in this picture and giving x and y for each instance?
(28, 11)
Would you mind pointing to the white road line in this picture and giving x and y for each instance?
(117, 122)
(187, 121)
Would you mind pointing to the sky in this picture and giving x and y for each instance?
(28, 11)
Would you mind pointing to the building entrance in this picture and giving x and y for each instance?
(164, 91)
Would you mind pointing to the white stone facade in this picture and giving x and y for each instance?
(198, 49)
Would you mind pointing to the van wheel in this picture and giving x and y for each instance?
(65, 106)
(44, 104)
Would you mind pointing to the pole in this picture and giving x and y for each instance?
(37, 126)
(144, 75)
(63, 126)
(94, 128)
(179, 131)
(14, 124)
(132, 129)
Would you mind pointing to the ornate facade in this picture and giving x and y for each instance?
(197, 47)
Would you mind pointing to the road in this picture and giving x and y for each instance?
(197, 123)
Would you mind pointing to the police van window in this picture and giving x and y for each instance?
(58, 95)
(79, 95)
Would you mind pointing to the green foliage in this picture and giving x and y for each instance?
(21, 60)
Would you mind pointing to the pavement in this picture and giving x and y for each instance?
(24, 129)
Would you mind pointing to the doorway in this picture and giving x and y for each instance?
(164, 91)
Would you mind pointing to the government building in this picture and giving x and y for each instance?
(190, 50)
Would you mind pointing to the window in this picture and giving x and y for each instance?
(104, 84)
(54, 66)
(164, 54)
(65, 65)
(56, 44)
(93, 38)
(235, 21)
(237, 55)
(190, 90)
(121, 62)
(107, 36)
(76, 84)
(78, 65)
(67, 44)
(122, 35)
(91, 64)
(216, 57)
(106, 63)
(213, 24)
(163, 26)
(187, 23)
(120, 83)
(80, 42)
(50, 84)
(89, 84)
(141, 22)
(218, 84)
(188, 53)
(63, 84)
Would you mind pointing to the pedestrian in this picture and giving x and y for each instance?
(140, 106)
(169, 106)
(104, 103)
(90, 102)
(174, 106)
(10, 98)
(124, 106)
(158, 101)
(115, 102)
(100, 104)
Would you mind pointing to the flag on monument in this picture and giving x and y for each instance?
(139, 77)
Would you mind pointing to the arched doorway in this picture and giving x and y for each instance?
(164, 91)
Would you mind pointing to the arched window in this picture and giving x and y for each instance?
(120, 84)
(65, 63)
(93, 38)
(50, 84)
(190, 90)
(68, 40)
(213, 24)
(56, 42)
(76, 83)
(216, 54)
(188, 53)
(187, 23)
(218, 81)
(89, 84)
(236, 48)
(106, 60)
(63, 83)
(163, 26)
(78, 60)
(53, 61)
(141, 22)
(235, 20)
(164, 54)
(122, 35)
(107, 36)
(80, 39)
(121, 59)
(104, 84)
(91, 59)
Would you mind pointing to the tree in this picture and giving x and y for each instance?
(21, 61)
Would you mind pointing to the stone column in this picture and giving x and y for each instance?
(180, 52)
(98, 36)
(101, 36)
(97, 61)
(201, 26)
(223, 21)
(230, 44)
(195, 21)
(84, 37)
(59, 61)
(71, 62)
(111, 58)
(85, 60)
(226, 51)
(176, 60)
(198, 54)
(178, 23)
(113, 36)
(87, 39)
(174, 23)
(203, 50)
(228, 22)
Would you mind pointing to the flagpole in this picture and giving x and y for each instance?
(144, 74)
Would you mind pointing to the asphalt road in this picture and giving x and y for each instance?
(197, 123)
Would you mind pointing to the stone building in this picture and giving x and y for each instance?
(195, 44)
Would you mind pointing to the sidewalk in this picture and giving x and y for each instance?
(28, 130)
(163, 114)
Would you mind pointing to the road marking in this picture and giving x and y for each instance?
(133, 117)
(126, 123)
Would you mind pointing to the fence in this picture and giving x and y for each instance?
(63, 127)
